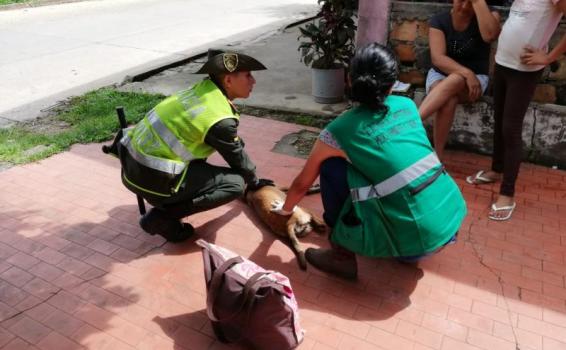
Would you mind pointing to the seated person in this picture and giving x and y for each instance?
(384, 191)
(459, 42)
(164, 156)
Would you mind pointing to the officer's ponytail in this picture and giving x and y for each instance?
(373, 72)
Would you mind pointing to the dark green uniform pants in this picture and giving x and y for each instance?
(206, 186)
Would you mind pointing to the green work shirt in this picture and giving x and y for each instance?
(413, 206)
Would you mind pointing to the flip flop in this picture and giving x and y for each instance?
(479, 179)
(510, 208)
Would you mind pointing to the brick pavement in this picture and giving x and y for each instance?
(76, 272)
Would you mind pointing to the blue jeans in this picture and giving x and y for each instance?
(334, 191)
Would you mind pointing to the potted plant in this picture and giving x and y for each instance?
(327, 44)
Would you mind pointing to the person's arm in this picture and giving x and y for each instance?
(310, 172)
(223, 137)
(489, 22)
(533, 56)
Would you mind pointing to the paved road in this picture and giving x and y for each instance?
(53, 52)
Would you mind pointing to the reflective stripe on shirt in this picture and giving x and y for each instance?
(396, 181)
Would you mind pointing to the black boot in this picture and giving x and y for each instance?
(156, 222)
(336, 260)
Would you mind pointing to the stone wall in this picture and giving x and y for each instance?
(409, 37)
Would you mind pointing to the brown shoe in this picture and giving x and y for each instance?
(337, 261)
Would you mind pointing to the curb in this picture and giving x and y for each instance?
(147, 74)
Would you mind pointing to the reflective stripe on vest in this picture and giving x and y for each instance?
(170, 140)
(396, 181)
(164, 165)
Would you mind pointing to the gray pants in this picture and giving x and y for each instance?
(205, 187)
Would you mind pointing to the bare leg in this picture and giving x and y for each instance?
(440, 93)
(442, 124)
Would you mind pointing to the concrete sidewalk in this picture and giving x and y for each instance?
(76, 271)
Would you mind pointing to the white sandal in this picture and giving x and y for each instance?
(479, 179)
(495, 209)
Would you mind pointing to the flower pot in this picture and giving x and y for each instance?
(328, 85)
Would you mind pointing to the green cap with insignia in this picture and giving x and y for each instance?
(223, 62)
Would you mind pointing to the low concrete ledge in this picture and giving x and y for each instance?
(544, 131)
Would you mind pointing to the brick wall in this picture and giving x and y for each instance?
(409, 37)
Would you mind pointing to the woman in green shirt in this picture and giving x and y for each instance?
(384, 191)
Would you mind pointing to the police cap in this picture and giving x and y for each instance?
(223, 62)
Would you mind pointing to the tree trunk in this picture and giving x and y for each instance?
(373, 21)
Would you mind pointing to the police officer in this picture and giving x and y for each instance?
(164, 156)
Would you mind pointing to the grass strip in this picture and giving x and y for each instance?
(84, 119)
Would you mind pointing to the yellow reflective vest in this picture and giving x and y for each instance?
(155, 154)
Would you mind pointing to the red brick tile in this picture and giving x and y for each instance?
(491, 312)
(10, 295)
(336, 304)
(62, 322)
(74, 266)
(377, 318)
(16, 276)
(126, 331)
(127, 242)
(103, 247)
(67, 281)
(452, 344)
(94, 315)
(543, 328)
(6, 251)
(101, 261)
(455, 300)
(475, 293)
(29, 330)
(55, 341)
(54, 242)
(387, 340)
(554, 291)
(77, 251)
(49, 255)
(40, 311)
(542, 276)
(470, 320)
(46, 271)
(551, 344)
(79, 237)
(191, 339)
(40, 288)
(92, 338)
(66, 301)
(351, 327)
(488, 342)
(22, 260)
(352, 343)
(446, 327)
(19, 344)
(419, 334)
(5, 337)
(525, 339)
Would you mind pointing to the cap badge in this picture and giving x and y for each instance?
(230, 61)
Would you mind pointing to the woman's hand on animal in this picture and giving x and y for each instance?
(259, 183)
(277, 208)
(532, 56)
(474, 86)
